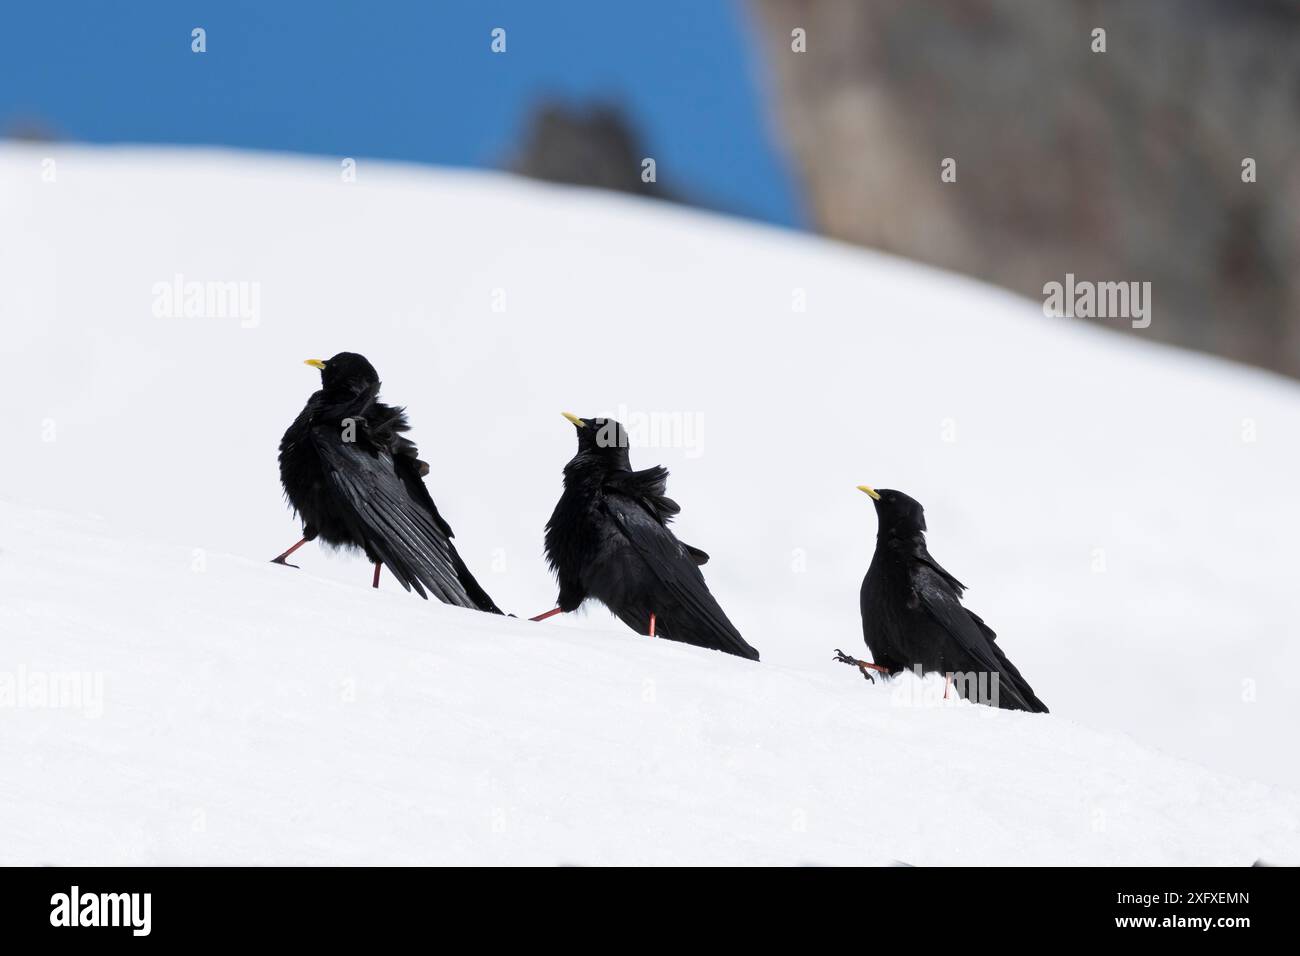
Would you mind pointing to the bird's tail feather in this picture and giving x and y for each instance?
(1024, 697)
(687, 628)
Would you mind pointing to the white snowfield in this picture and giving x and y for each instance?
(1123, 515)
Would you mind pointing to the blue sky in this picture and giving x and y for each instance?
(409, 79)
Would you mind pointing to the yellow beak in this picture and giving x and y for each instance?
(314, 363)
(575, 419)
(867, 489)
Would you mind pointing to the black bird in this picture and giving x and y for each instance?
(357, 483)
(912, 614)
(608, 539)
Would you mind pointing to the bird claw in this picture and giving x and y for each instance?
(860, 665)
(284, 562)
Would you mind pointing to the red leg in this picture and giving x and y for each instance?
(542, 617)
(652, 623)
(947, 682)
(863, 666)
(281, 558)
(375, 582)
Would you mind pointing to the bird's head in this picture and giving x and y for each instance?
(345, 371)
(601, 439)
(900, 515)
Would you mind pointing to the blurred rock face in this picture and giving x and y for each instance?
(583, 146)
(1123, 165)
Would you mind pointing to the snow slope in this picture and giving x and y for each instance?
(1122, 514)
(246, 723)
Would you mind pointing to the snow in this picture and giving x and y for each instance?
(1121, 513)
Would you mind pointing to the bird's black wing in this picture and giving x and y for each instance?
(397, 529)
(940, 600)
(674, 567)
(957, 586)
(647, 487)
